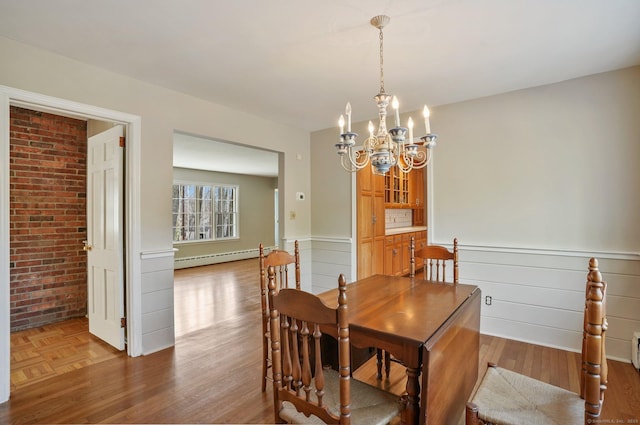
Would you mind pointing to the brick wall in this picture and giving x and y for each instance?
(47, 181)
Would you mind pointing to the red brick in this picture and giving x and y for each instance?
(47, 169)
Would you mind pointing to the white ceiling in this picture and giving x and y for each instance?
(298, 62)
(205, 154)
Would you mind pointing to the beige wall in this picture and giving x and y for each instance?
(553, 167)
(163, 112)
(331, 186)
(535, 182)
(255, 204)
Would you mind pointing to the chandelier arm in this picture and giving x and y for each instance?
(406, 164)
(423, 160)
(348, 165)
(353, 163)
(370, 144)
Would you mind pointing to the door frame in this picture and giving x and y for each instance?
(133, 159)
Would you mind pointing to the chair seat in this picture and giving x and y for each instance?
(506, 397)
(369, 405)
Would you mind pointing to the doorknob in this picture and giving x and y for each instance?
(86, 246)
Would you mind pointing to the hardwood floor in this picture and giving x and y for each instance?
(213, 373)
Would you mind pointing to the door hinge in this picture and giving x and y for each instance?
(122, 141)
(123, 322)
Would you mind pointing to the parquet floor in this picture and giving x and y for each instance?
(212, 375)
(41, 353)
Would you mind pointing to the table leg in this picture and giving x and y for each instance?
(412, 407)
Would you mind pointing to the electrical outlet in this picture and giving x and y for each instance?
(488, 300)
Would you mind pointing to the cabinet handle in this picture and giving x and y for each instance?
(374, 219)
(395, 252)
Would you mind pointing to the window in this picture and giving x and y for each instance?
(225, 211)
(204, 212)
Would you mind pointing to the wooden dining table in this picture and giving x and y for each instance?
(433, 328)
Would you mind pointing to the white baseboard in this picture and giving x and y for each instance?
(223, 257)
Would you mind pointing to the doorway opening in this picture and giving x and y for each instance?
(49, 216)
(15, 97)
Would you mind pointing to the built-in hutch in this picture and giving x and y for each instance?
(390, 210)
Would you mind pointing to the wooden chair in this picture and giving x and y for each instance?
(319, 395)
(281, 261)
(506, 397)
(434, 257)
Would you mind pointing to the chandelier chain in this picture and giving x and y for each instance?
(381, 62)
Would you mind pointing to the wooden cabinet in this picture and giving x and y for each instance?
(421, 240)
(396, 187)
(404, 190)
(393, 255)
(418, 217)
(405, 254)
(397, 252)
(370, 223)
(417, 197)
(416, 189)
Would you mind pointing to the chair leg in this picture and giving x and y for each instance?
(379, 363)
(264, 371)
(387, 363)
(265, 361)
(471, 415)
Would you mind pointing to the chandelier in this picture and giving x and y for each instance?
(390, 148)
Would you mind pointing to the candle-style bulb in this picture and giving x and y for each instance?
(347, 111)
(370, 127)
(425, 114)
(341, 124)
(395, 105)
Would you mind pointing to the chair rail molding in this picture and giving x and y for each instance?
(616, 255)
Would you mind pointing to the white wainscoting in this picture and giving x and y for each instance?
(538, 296)
(331, 257)
(304, 246)
(157, 301)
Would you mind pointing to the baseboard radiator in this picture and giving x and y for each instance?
(221, 257)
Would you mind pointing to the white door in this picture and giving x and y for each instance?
(104, 243)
